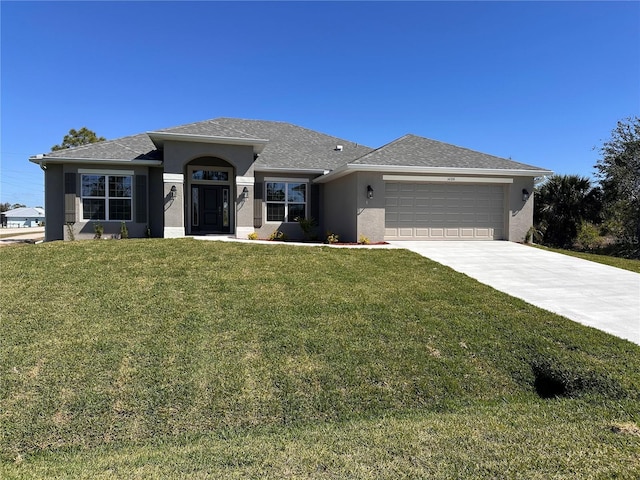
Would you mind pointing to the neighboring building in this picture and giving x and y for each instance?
(24, 217)
(232, 176)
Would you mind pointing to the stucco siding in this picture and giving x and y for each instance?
(291, 229)
(520, 213)
(53, 203)
(85, 229)
(340, 207)
(370, 211)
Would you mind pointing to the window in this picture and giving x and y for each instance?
(211, 175)
(106, 197)
(286, 201)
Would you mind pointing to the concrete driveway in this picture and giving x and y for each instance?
(590, 293)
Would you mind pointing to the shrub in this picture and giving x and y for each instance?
(589, 237)
(332, 237)
(124, 231)
(252, 236)
(70, 233)
(364, 240)
(306, 225)
(278, 236)
(98, 230)
(533, 235)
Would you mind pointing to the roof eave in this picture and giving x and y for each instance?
(158, 139)
(43, 160)
(312, 171)
(352, 168)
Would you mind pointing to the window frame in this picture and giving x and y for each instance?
(107, 197)
(286, 202)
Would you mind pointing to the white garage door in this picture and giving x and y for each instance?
(442, 211)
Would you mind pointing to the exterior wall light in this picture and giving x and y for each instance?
(245, 193)
(174, 191)
(525, 194)
(369, 191)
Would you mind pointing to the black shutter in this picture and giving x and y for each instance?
(257, 205)
(315, 202)
(141, 199)
(70, 197)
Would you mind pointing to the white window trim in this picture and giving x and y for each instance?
(286, 201)
(106, 198)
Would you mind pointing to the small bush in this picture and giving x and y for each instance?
(364, 240)
(533, 235)
(278, 236)
(252, 236)
(124, 231)
(332, 237)
(306, 225)
(589, 237)
(98, 230)
(70, 233)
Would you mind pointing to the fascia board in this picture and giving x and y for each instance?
(158, 139)
(313, 171)
(42, 160)
(406, 169)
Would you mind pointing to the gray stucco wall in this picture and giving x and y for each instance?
(85, 229)
(178, 155)
(370, 211)
(520, 213)
(54, 203)
(291, 229)
(340, 202)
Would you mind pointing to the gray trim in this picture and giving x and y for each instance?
(70, 189)
(314, 194)
(158, 139)
(407, 169)
(257, 204)
(141, 196)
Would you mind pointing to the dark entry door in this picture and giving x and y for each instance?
(213, 209)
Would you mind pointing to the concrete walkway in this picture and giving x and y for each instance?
(590, 293)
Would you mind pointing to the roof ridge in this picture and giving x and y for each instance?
(383, 146)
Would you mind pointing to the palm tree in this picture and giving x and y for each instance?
(562, 203)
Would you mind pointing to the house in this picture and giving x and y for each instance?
(24, 217)
(232, 176)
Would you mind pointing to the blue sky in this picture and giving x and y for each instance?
(540, 82)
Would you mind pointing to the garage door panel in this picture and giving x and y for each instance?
(444, 211)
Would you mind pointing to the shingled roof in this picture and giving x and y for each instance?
(415, 151)
(289, 146)
(139, 147)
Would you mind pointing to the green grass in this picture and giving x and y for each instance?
(179, 358)
(630, 264)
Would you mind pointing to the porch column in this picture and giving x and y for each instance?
(173, 205)
(244, 207)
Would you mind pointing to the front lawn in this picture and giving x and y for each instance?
(630, 264)
(180, 358)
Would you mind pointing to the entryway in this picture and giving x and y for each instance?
(210, 209)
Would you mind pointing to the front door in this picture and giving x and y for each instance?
(210, 209)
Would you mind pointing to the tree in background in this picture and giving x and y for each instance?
(76, 138)
(619, 173)
(562, 204)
